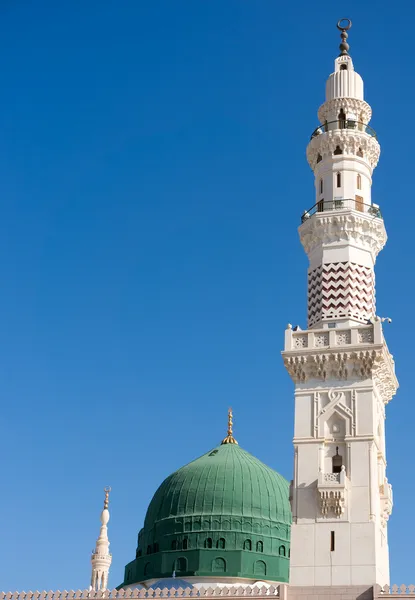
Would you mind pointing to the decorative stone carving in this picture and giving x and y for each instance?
(321, 340)
(386, 501)
(301, 341)
(334, 397)
(343, 338)
(349, 140)
(329, 110)
(332, 502)
(361, 229)
(331, 490)
(384, 376)
(332, 364)
(336, 417)
(365, 336)
(332, 477)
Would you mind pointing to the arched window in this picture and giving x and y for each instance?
(342, 119)
(338, 179)
(343, 67)
(319, 158)
(260, 568)
(337, 461)
(139, 553)
(208, 543)
(218, 565)
(174, 545)
(180, 565)
(148, 549)
(359, 181)
(259, 546)
(155, 547)
(281, 551)
(321, 186)
(338, 151)
(247, 545)
(221, 543)
(360, 153)
(185, 544)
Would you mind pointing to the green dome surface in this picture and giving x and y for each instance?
(225, 481)
(225, 514)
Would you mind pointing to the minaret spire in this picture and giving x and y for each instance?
(101, 557)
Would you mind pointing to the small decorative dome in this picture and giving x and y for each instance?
(226, 514)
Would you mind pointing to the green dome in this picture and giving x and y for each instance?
(224, 514)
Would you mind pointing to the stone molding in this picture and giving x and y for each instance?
(189, 592)
(355, 363)
(346, 226)
(349, 105)
(349, 140)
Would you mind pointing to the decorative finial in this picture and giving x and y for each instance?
(229, 438)
(107, 494)
(343, 25)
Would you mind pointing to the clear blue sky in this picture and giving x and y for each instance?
(152, 176)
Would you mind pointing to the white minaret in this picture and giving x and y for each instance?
(343, 372)
(101, 557)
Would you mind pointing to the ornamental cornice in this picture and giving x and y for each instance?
(344, 226)
(351, 141)
(355, 363)
(349, 105)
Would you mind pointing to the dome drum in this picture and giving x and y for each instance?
(209, 563)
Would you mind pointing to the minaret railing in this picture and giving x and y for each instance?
(343, 124)
(342, 204)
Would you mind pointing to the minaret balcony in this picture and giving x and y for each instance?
(343, 124)
(338, 204)
(331, 490)
(311, 340)
(330, 480)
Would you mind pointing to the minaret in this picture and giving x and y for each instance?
(101, 557)
(343, 372)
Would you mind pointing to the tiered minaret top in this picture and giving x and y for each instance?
(343, 232)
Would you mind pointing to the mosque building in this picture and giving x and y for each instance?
(228, 525)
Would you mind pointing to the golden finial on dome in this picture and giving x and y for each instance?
(107, 494)
(229, 438)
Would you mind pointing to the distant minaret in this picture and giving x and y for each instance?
(343, 372)
(101, 557)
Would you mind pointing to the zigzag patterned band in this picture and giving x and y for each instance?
(341, 290)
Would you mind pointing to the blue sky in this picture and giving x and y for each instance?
(152, 176)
